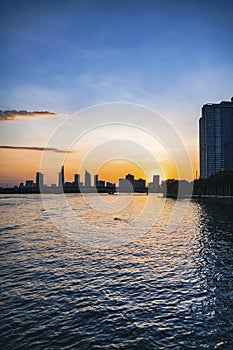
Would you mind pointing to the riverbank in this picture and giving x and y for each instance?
(215, 198)
(209, 198)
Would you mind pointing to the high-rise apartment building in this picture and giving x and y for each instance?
(96, 180)
(39, 179)
(61, 177)
(87, 179)
(216, 138)
(156, 182)
(76, 179)
(154, 186)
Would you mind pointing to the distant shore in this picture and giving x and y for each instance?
(58, 190)
(205, 198)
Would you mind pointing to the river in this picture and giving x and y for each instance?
(158, 287)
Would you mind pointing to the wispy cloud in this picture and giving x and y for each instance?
(10, 115)
(41, 149)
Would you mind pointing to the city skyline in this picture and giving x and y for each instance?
(89, 180)
(59, 58)
(128, 184)
(215, 149)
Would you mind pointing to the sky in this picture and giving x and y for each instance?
(60, 57)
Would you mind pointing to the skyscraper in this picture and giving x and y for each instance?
(156, 182)
(61, 177)
(96, 178)
(39, 180)
(77, 179)
(216, 138)
(154, 186)
(87, 179)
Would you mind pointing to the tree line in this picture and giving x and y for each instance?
(220, 184)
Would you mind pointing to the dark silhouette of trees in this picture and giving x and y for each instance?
(220, 184)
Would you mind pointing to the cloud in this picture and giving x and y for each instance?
(41, 149)
(10, 115)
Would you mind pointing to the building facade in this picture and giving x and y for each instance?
(216, 138)
(130, 184)
(87, 179)
(39, 180)
(61, 177)
(76, 179)
(155, 185)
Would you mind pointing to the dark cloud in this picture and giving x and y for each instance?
(41, 149)
(10, 115)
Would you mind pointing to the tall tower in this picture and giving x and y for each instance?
(96, 178)
(77, 179)
(61, 177)
(216, 138)
(39, 180)
(156, 182)
(87, 179)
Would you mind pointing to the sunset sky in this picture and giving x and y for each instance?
(60, 57)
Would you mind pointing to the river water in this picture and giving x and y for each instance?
(166, 288)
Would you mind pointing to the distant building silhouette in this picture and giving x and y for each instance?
(76, 179)
(61, 177)
(100, 184)
(130, 184)
(111, 188)
(39, 180)
(29, 184)
(216, 138)
(87, 182)
(156, 181)
(154, 186)
(130, 178)
(139, 185)
(96, 177)
(125, 185)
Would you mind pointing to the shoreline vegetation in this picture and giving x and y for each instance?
(219, 185)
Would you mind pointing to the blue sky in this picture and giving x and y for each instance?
(62, 56)
(87, 52)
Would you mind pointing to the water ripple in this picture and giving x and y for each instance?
(163, 291)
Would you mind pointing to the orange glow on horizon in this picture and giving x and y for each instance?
(20, 165)
(17, 166)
